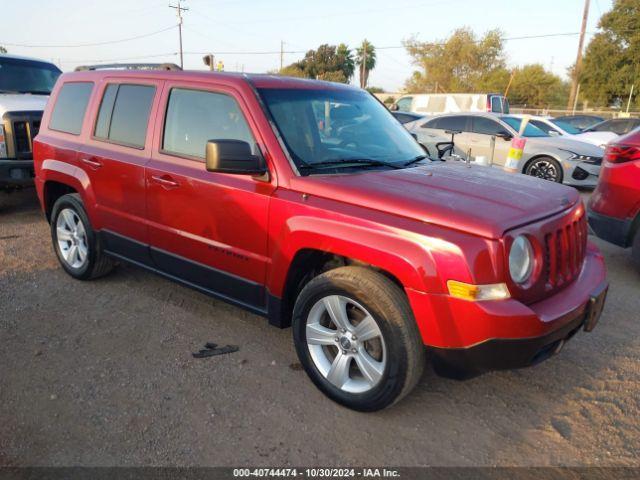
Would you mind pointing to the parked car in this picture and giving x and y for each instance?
(238, 186)
(25, 85)
(614, 206)
(619, 126)
(555, 127)
(580, 121)
(406, 117)
(438, 103)
(557, 159)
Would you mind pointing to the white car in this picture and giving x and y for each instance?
(558, 128)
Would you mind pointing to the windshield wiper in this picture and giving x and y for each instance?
(415, 160)
(347, 162)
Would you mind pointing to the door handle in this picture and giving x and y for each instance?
(94, 164)
(165, 181)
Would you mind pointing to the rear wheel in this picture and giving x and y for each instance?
(74, 241)
(546, 168)
(357, 339)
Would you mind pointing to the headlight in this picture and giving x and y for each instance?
(521, 260)
(584, 158)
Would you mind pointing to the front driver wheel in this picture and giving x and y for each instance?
(545, 168)
(357, 339)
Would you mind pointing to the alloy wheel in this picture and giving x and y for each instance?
(72, 238)
(346, 344)
(545, 170)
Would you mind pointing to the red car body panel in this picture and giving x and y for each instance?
(423, 226)
(614, 207)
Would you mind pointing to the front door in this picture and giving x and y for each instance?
(207, 229)
(485, 140)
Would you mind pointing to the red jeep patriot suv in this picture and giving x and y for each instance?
(308, 203)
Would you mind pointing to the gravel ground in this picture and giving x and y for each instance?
(101, 373)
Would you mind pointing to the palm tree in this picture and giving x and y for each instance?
(346, 64)
(366, 60)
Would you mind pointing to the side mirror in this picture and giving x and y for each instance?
(394, 107)
(553, 133)
(506, 136)
(233, 156)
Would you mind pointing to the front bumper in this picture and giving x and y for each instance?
(611, 229)
(581, 174)
(16, 173)
(507, 354)
(469, 338)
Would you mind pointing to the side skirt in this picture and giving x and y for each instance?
(218, 284)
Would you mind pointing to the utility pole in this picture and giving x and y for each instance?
(179, 10)
(363, 69)
(573, 97)
(281, 55)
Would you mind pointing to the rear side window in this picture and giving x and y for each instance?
(195, 117)
(124, 114)
(71, 105)
(455, 123)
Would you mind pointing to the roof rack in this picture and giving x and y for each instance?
(130, 66)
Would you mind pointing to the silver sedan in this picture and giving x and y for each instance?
(489, 136)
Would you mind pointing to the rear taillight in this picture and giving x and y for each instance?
(3, 143)
(621, 153)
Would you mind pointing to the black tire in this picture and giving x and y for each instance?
(546, 168)
(387, 303)
(97, 264)
(635, 250)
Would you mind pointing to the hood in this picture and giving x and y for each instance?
(480, 200)
(596, 138)
(571, 144)
(22, 103)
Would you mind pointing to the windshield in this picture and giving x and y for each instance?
(570, 129)
(27, 76)
(529, 131)
(333, 126)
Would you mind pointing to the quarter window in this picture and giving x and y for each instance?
(194, 117)
(124, 114)
(71, 105)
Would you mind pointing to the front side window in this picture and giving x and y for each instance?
(71, 105)
(329, 126)
(194, 117)
(487, 126)
(27, 76)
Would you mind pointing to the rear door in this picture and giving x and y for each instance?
(114, 158)
(484, 140)
(436, 130)
(208, 229)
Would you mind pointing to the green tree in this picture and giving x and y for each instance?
(328, 62)
(2, 49)
(366, 61)
(611, 62)
(536, 87)
(461, 63)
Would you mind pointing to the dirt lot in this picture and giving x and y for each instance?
(101, 373)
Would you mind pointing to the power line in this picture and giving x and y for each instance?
(96, 44)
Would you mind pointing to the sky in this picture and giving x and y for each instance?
(244, 33)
